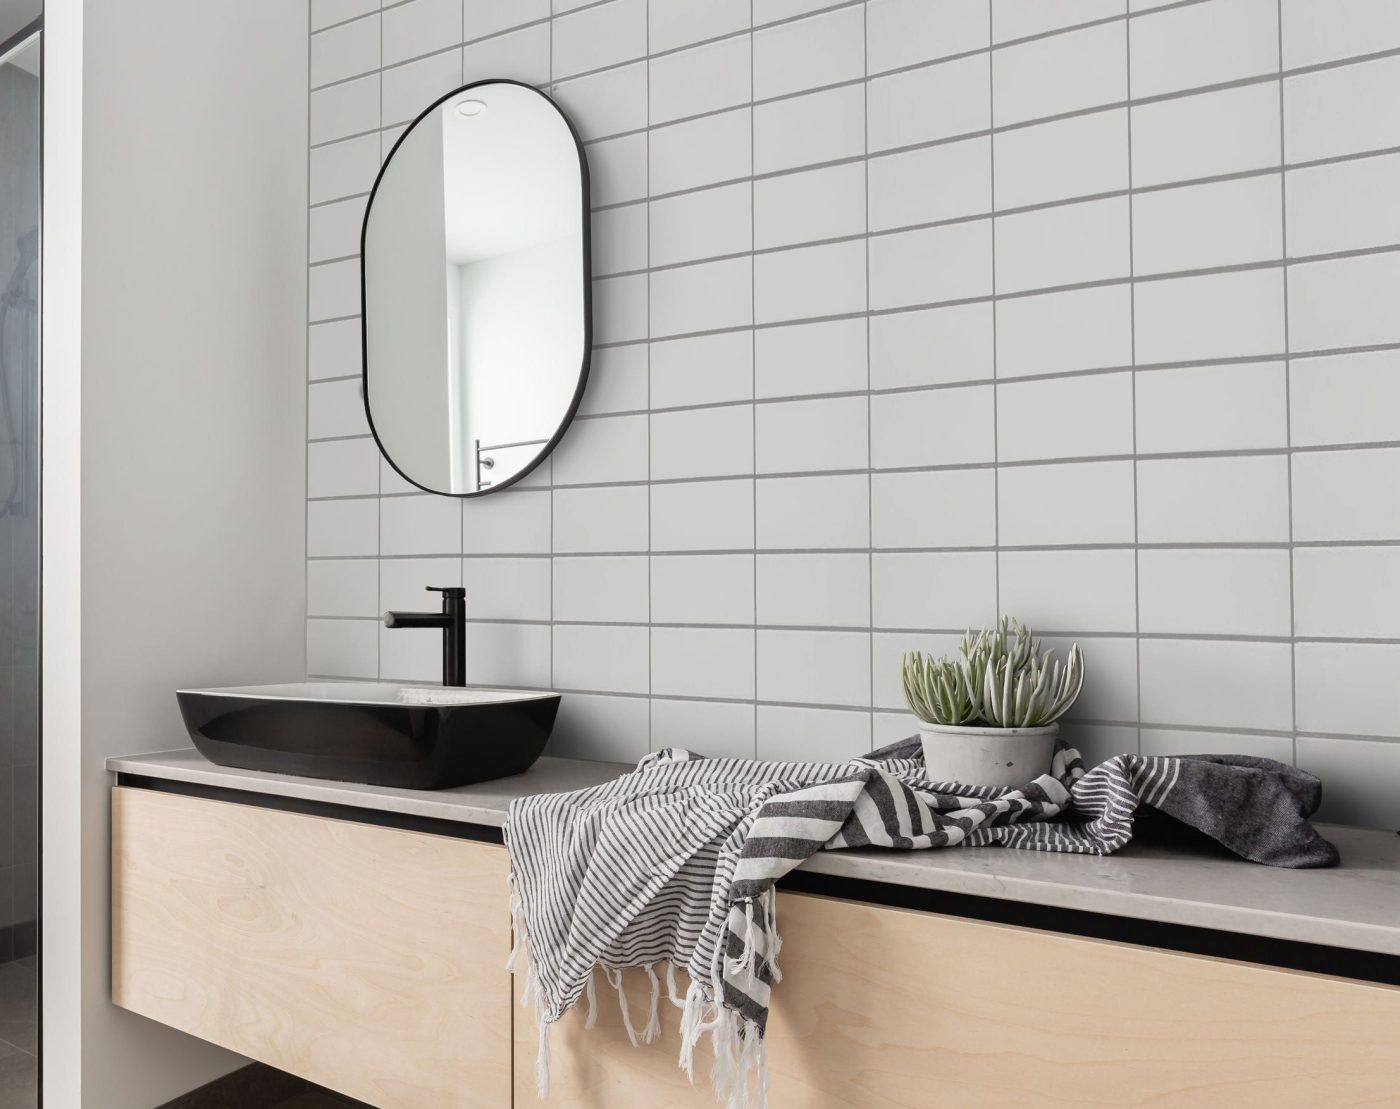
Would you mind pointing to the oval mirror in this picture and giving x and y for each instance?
(474, 272)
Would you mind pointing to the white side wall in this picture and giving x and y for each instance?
(186, 293)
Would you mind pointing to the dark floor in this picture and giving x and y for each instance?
(19, 1033)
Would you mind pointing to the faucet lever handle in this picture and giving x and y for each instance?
(447, 590)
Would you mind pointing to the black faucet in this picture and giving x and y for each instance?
(453, 622)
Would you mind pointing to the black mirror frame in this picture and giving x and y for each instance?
(586, 223)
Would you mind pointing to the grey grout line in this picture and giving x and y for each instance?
(996, 369)
(869, 406)
(1132, 347)
(753, 349)
(306, 395)
(651, 645)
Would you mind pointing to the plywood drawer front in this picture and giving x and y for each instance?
(880, 1007)
(367, 959)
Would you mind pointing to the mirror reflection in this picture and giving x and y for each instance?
(475, 264)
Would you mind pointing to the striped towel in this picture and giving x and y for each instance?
(674, 863)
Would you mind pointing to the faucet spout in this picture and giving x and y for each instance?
(453, 622)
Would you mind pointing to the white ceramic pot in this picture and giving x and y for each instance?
(987, 756)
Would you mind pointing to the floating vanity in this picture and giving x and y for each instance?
(357, 935)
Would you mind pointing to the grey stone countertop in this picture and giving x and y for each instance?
(1355, 905)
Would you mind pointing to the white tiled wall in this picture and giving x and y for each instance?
(909, 312)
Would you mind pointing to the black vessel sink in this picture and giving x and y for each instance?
(416, 737)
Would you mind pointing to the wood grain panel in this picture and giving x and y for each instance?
(881, 1007)
(369, 960)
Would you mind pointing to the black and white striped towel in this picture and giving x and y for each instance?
(674, 864)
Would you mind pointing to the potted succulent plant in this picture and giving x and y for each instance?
(988, 716)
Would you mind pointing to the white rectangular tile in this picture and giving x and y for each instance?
(1334, 111)
(1334, 495)
(770, 11)
(488, 17)
(409, 88)
(702, 589)
(1222, 315)
(949, 591)
(619, 242)
(326, 12)
(333, 349)
(404, 586)
(336, 409)
(1069, 244)
(620, 309)
(603, 35)
(601, 659)
(1097, 743)
(1069, 591)
(610, 729)
(1065, 417)
(805, 130)
(886, 651)
(342, 587)
(1226, 223)
(1079, 156)
(676, 23)
(793, 436)
(952, 262)
(1315, 33)
(808, 282)
(600, 519)
(823, 49)
(826, 511)
(1217, 683)
(510, 522)
(1013, 19)
(1203, 44)
(343, 168)
(1212, 408)
(420, 27)
(339, 111)
(342, 468)
(617, 169)
(933, 346)
(1112, 692)
(936, 427)
(609, 590)
(345, 51)
(705, 224)
(1213, 500)
(702, 516)
(825, 356)
(1345, 398)
(507, 588)
(701, 151)
(1209, 134)
(1167, 741)
(1347, 592)
(335, 229)
(409, 656)
(702, 369)
(804, 207)
(509, 655)
(956, 508)
(899, 103)
(334, 290)
(1348, 688)
(1358, 776)
(702, 442)
(1344, 302)
(814, 667)
(335, 528)
(930, 184)
(1214, 592)
(1343, 206)
(522, 55)
(419, 525)
(906, 32)
(811, 735)
(821, 590)
(1080, 329)
(342, 648)
(617, 380)
(711, 728)
(1064, 504)
(702, 662)
(1062, 73)
(606, 103)
(702, 297)
(701, 79)
(605, 449)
